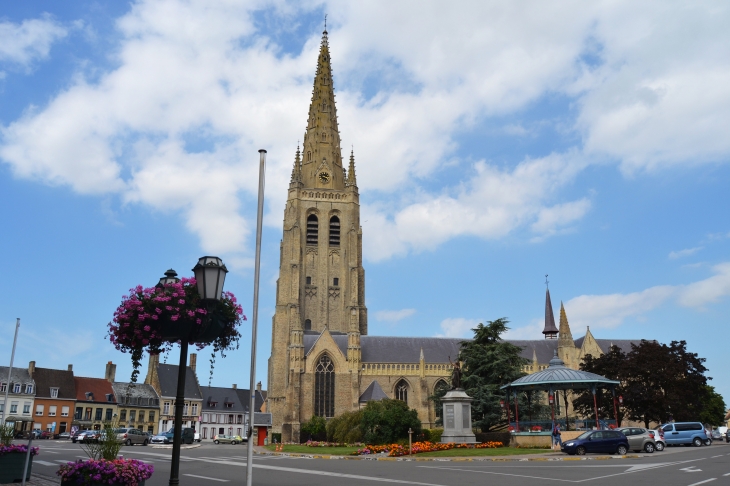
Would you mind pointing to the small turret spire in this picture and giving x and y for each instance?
(550, 331)
(351, 177)
(566, 337)
(296, 171)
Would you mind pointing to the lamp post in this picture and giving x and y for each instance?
(551, 399)
(410, 441)
(210, 274)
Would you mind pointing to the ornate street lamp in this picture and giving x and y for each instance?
(169, 278)
(210, 274)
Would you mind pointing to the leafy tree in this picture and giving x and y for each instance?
(713, 407)
(315, 429)
(611, 365)
(387, 421)
(345, 428)
(489, 363)
(440, 390)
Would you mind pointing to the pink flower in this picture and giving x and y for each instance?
(174, 318)
(147, 328)
(181, 301)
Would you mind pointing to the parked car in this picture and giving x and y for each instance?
(639, 439)
(77, 434)
(227, 439)
(686, 433)
(659, 441)
(727, 436)
(162, 438)
(188, 436)
(64, 435)
(131, 436)
(88, 436)
(607, 441)
(716, 435)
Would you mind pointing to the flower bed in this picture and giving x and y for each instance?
(314, 443)
(17, 448)
(129, 472)
(397, 450)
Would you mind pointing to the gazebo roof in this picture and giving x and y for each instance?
(558, 377)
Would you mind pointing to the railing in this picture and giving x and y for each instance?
(575, 424)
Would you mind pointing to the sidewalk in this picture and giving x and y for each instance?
(38, 480)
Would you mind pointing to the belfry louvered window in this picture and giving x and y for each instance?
(312, 229)
(334, 231)
(324, 388)
(401, 391)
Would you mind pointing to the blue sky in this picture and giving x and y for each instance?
(495, 143)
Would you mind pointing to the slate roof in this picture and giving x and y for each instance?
(558, 377)
(245, 396)
(99, 387)
(167, 375)
(46, 378)
(139, 394)
(18, 375)
(623, 344)
(222, 396)
(544, 348)
(372, 392)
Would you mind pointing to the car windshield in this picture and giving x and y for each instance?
(585, 435)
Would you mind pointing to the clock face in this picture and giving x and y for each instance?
(324, 177)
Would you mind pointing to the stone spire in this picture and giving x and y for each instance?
(296, 171)
(550, 331)
(565, 338)
(322, 157)
(351, 178)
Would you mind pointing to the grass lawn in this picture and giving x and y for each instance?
(343, 451)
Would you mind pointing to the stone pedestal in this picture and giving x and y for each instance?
(457, 417)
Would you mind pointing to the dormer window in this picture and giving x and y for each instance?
(16, 388)
(109, 397)
(28, 388)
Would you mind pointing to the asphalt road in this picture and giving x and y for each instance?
(216, 465)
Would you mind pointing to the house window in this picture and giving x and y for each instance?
(54, 392)
(205, 433)
(141, 415)
(195, 409)
(39, 409)
(312, 229)
(28, 388)
(64, 411)
(132, 415)
(401, 391)
(79, 413)
(99, 413)
(26, 408)
(166, 408)
(16, 388)
(230, 419)
(108, 415)
(62, 428)
(13, 407)
(152, 416)
(324, 387)
(239, 419)
(334, 231)
(123, 416)
(185, 409)
(205, 418)
(52, 411)
(164, 425)
(3, 387)
(87, 413)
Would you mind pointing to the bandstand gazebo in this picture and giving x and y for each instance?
(558, 377)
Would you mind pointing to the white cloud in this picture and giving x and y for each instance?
(394, 315)
(534, 328)
(29, 40)
(458, 327)
(610, 311)
(673, 255)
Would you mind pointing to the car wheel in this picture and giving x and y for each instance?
(216, 442)
(621, 451)
(144, 443)
(649, 448)
(697, 442)
(581, 451)
(128, 443)
(660, 446)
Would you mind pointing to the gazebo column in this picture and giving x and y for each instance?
(551, 399)
(595, 405)
(615, 411)
(507, 407)
(565, 400)
(517, 414)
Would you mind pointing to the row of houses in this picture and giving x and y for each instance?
(58, 401)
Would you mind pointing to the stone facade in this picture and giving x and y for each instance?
(322, 360)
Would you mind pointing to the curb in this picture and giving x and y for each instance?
(447, 459)
(182, 447)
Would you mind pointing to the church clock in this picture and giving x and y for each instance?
(324, 177)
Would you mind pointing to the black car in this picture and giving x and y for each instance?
(606, 441)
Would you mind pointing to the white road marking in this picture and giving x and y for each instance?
(691, 469)
(728, 474)
(703, 482)
(205, 477)
(716, 456)
(50, 452)
(44, 463)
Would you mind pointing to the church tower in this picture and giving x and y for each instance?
(321, 283)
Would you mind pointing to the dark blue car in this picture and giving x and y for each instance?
(606, 441)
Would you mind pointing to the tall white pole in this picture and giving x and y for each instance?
(257, 271)
(6, 408)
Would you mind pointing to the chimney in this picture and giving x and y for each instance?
(235, 387)
(152, 369)
(258, 386)
(31, 368)
(111, 371)
(70, 367)
(193, 361)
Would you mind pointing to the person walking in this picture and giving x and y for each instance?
(556, 437)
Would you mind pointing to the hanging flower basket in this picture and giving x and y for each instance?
(153, 319)
(12, 462)
(127, 472)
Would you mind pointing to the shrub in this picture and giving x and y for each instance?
(315, 429)
(345, 428)
(276, 438)
(503, 437)
(435, 435)
(6, 434)
(386, 421)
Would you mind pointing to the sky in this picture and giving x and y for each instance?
(495, 143)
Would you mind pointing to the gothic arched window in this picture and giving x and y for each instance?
(312, 229)
(439, 390)
(334, 231)
(324, 135)
(308, 325)
(401, 391)
(324, 387)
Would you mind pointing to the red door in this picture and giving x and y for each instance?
(262, 435)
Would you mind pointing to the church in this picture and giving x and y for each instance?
(323, 362)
